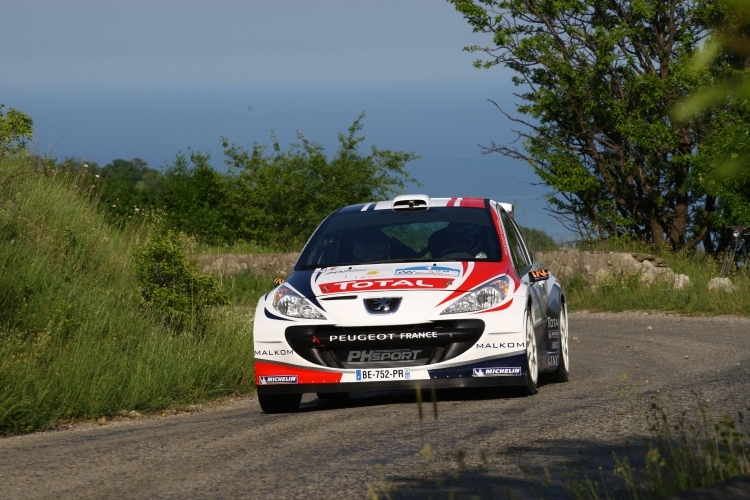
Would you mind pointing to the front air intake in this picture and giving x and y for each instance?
(410, 203)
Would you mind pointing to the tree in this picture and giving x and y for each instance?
(123, 187)
(129, 185)
(722, 166)
(195, 198)
(16, 128)
(604, 80)
(279, 199)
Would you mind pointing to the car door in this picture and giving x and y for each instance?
(542, 287)
(523, 263)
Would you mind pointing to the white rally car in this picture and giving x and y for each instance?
(413, 292)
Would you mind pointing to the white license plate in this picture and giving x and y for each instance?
(383, 374)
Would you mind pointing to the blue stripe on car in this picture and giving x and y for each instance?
(466, 371)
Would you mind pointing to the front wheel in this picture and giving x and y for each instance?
(279, 403)
(532, 362)
(561, 374)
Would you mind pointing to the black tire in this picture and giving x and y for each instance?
(563, 369)
(333, 396)
(532, 360)
(728, 264)
(279, 403)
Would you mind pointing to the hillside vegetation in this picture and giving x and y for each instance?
(76, 337)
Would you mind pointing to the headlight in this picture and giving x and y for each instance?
(486, 297)
(290, 303)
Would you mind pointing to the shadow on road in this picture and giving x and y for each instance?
(366, 399)
(528, 472)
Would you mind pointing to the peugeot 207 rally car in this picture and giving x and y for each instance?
(413, 292)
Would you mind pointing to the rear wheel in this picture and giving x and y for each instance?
(532, 362)
(561, 374)
(279, 403)
(728, 264)
(333, 396)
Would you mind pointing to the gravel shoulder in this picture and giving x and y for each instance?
(484, 443)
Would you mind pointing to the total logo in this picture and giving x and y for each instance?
(497, 372)
(277, 379)
(383, 284)
(553, 322)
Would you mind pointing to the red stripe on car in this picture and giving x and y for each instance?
(483, 272)
(304, 375)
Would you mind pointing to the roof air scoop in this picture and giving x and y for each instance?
(507, 207)
(411, 202)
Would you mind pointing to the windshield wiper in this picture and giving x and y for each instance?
(384, 261)
(417, 259)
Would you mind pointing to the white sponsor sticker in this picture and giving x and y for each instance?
(428, 271)
(497, 372)
(278, 379)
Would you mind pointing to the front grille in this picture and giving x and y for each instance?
(384, 346)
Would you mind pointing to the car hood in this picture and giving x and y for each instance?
(421, 287)
(446, 277)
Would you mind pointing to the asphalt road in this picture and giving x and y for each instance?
(487, 444)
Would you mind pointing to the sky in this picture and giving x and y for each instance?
(146, 79)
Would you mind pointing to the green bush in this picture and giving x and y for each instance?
(172, 283)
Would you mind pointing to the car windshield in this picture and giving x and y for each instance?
(437, 234)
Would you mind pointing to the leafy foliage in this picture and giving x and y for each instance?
(277, 199)
(196, 199)
(16, 128)
(174, 284)
(538, 239)
(123, 187)
(604, 81)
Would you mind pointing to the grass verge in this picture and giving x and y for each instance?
(628, 292)
(75, 341)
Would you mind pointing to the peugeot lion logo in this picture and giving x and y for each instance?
(383, 305)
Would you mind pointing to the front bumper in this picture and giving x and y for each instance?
(283, 378)
(401, 385)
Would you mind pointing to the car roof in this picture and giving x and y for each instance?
(431, 202)
(434, 202)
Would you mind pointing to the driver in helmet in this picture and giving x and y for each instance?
(458, 238)
(371, 245)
